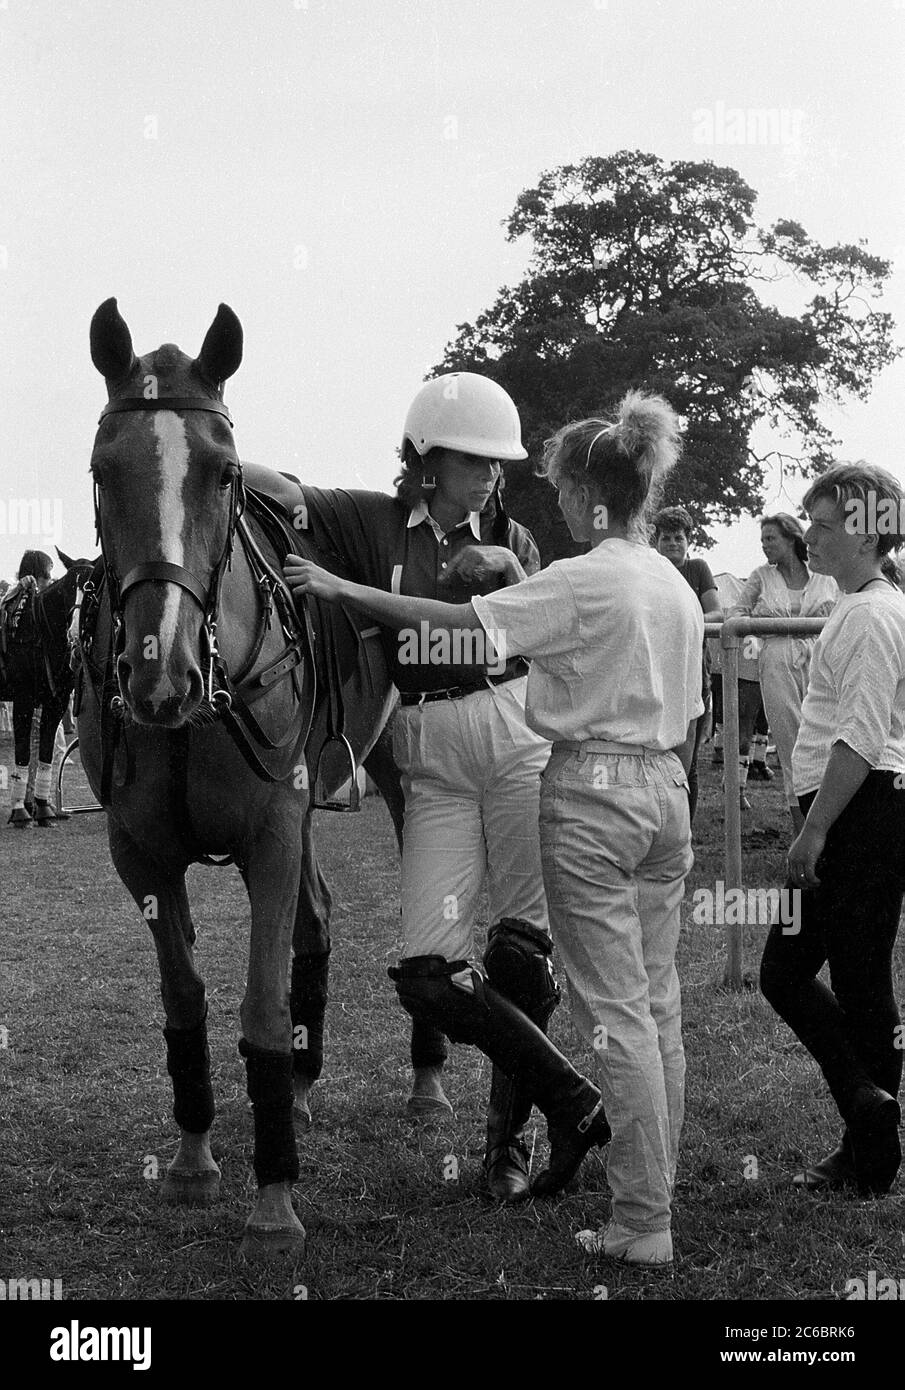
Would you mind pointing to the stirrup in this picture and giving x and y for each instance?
(341, 759)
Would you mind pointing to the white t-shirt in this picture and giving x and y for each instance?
(615, 640)
(856, 690)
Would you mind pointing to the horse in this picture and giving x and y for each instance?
(198, 693)
(35, 671)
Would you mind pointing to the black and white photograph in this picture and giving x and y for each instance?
(452, 673)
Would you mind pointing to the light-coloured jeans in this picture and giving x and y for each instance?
(616, 847)
(471, 777)
(784, 684)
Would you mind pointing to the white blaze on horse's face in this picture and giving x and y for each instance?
(173, 453)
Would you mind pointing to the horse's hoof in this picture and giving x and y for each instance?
(45, 818)
(19, 818)
(191, 1189)
(273, 1241)
(422, 1109)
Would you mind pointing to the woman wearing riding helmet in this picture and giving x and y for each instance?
(615, 636)
(471, 776)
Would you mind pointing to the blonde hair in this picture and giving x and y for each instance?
(625, 461)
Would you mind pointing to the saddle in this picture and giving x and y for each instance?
(15, 605)
(278, 503)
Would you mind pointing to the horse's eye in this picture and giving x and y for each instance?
(228, 477)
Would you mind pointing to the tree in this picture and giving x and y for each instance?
(645, 274)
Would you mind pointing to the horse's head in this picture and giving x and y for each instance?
(168, 487)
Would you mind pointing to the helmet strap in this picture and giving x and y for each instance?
(429, 483)
(501, 517)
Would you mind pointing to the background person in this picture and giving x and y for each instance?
(848, 861)
(785, 588)
(38, 779)
(6, 709)
(673, 529)
(615, 830)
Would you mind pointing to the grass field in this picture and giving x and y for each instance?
(392, 1211)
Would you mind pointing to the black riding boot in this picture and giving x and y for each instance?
(517, 963)
(455, 996)
(506, 1157)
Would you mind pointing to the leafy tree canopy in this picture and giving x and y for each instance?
(647, 274)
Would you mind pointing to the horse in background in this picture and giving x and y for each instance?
(35, 671)
(196, 698)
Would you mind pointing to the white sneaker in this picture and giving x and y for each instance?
(637, 1248)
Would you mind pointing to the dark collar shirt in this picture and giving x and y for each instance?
(375, 539)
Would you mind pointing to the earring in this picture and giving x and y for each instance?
(429, 483)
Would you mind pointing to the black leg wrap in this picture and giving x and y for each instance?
(518, 963)
(482, 1016)
(307, 1007)
(428, 1047)
(189, 1064)
(270, 1091)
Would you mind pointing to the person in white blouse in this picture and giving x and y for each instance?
(847, 865)
(615, 685)
(784, 588)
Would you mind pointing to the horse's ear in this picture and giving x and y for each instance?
(65, 560)
(221, 351)
(111, 343)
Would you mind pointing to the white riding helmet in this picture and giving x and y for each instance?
(467, 412)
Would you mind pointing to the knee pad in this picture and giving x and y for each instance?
(518, 964)
(428, 992)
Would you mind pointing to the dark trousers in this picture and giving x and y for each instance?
(700, 730)
(751, 717)
(850, 1027)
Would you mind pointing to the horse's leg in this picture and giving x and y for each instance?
(23, 712)
(428, 1045)
(193, 1177)
(310, 974)
(271, 872)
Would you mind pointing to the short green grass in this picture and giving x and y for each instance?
(392, 1211)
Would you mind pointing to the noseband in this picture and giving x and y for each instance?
(206, 595)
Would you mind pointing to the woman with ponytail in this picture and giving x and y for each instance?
(615, 685)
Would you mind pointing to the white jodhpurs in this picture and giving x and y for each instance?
(471, 777)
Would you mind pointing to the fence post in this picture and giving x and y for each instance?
(730, 632)
(729, 638)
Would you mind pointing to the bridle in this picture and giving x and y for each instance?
(206, 595)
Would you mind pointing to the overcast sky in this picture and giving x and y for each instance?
(337, 171)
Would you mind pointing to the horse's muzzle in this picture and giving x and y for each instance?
(157, 700)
